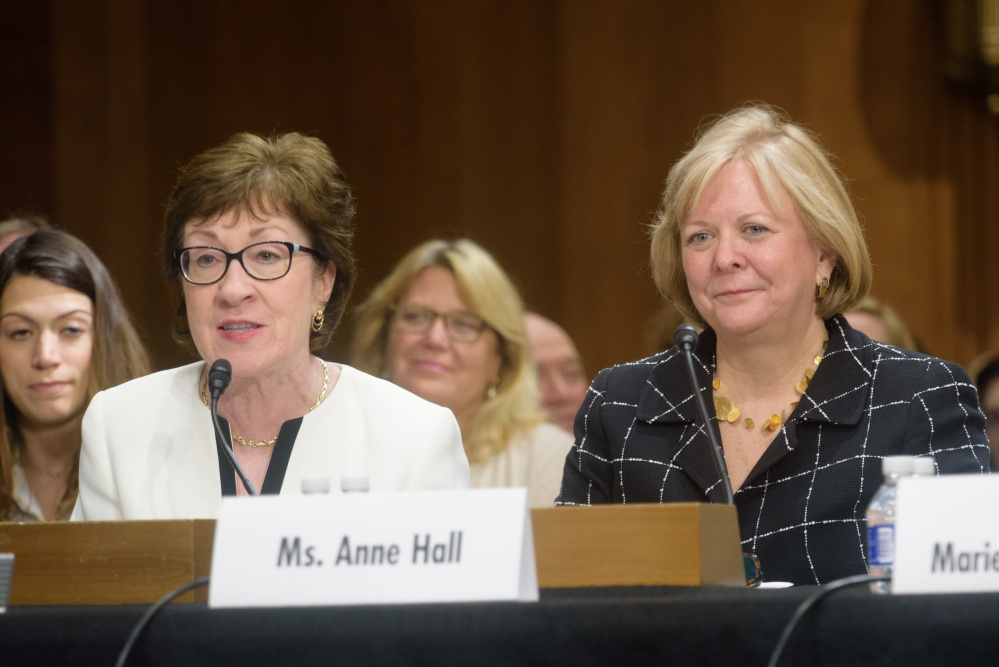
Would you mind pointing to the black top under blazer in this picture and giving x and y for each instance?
(801, 509)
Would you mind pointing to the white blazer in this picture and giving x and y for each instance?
(149, 446)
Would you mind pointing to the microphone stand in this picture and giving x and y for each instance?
(220, 373)
(685, 338)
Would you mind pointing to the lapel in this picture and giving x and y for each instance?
(181, 469)
(333, 440)
(837, 395)
(839, 390)
(199, 439)
(667, 399)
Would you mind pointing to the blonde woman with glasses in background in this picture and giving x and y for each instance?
(448, 325)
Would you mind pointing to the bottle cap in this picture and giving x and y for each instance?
(354, 484)
(315, 485)
(924, 466)
(897, 465)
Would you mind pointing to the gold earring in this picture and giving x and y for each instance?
(317, 320)
(823, 288)
(492, 387)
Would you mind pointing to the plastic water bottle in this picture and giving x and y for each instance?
(881, 520)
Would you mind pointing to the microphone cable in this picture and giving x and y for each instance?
(151, 612)
(227, 451)
(809, 602)
(218, 381)
(685, 338)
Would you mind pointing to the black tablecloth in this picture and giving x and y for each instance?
(575, 626)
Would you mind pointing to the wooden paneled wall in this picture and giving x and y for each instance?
(541, 129)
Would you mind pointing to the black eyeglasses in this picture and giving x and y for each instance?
(270, 260)
(461, 326)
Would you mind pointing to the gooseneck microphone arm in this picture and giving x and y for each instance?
(218, 380)
(685, 338)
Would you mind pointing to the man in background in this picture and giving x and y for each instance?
(562, 380)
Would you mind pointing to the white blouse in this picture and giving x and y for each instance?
(26, 506)
(533, 459)
(149, 446)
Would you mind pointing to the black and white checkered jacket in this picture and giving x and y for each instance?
(801, 509)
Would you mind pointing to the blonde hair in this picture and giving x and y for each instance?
(487, 291)
(898, 332)
(784, 156)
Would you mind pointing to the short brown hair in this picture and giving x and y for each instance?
(289, 174)
(784, 155)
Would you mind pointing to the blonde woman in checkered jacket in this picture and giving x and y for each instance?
(757, 240)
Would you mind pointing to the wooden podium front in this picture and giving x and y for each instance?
(676, 544)
(106, 562)
(127, 562)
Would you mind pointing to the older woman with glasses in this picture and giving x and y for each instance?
(257, 250)
(448, 325)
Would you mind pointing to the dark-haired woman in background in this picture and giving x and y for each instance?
(987, 380)
(64, 335)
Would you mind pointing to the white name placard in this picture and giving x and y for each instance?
(377, 548)
(947, 535)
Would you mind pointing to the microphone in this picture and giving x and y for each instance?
(685, 338)
(219, 377)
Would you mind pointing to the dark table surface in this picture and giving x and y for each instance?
(599, 626)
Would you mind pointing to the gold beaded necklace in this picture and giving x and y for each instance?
(268, 443)
(727, 412)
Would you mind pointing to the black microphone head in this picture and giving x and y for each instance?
(219, 377)
(685, 337)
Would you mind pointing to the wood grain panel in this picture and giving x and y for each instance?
(106, 562)
(26, 108)
(676, 544)
(133, 562)
(542, 130)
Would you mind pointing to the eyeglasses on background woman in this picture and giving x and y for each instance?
(448, 325)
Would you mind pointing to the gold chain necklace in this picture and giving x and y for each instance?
(268, 443)
(727, 412)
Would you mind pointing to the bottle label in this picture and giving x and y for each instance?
(881, 544)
